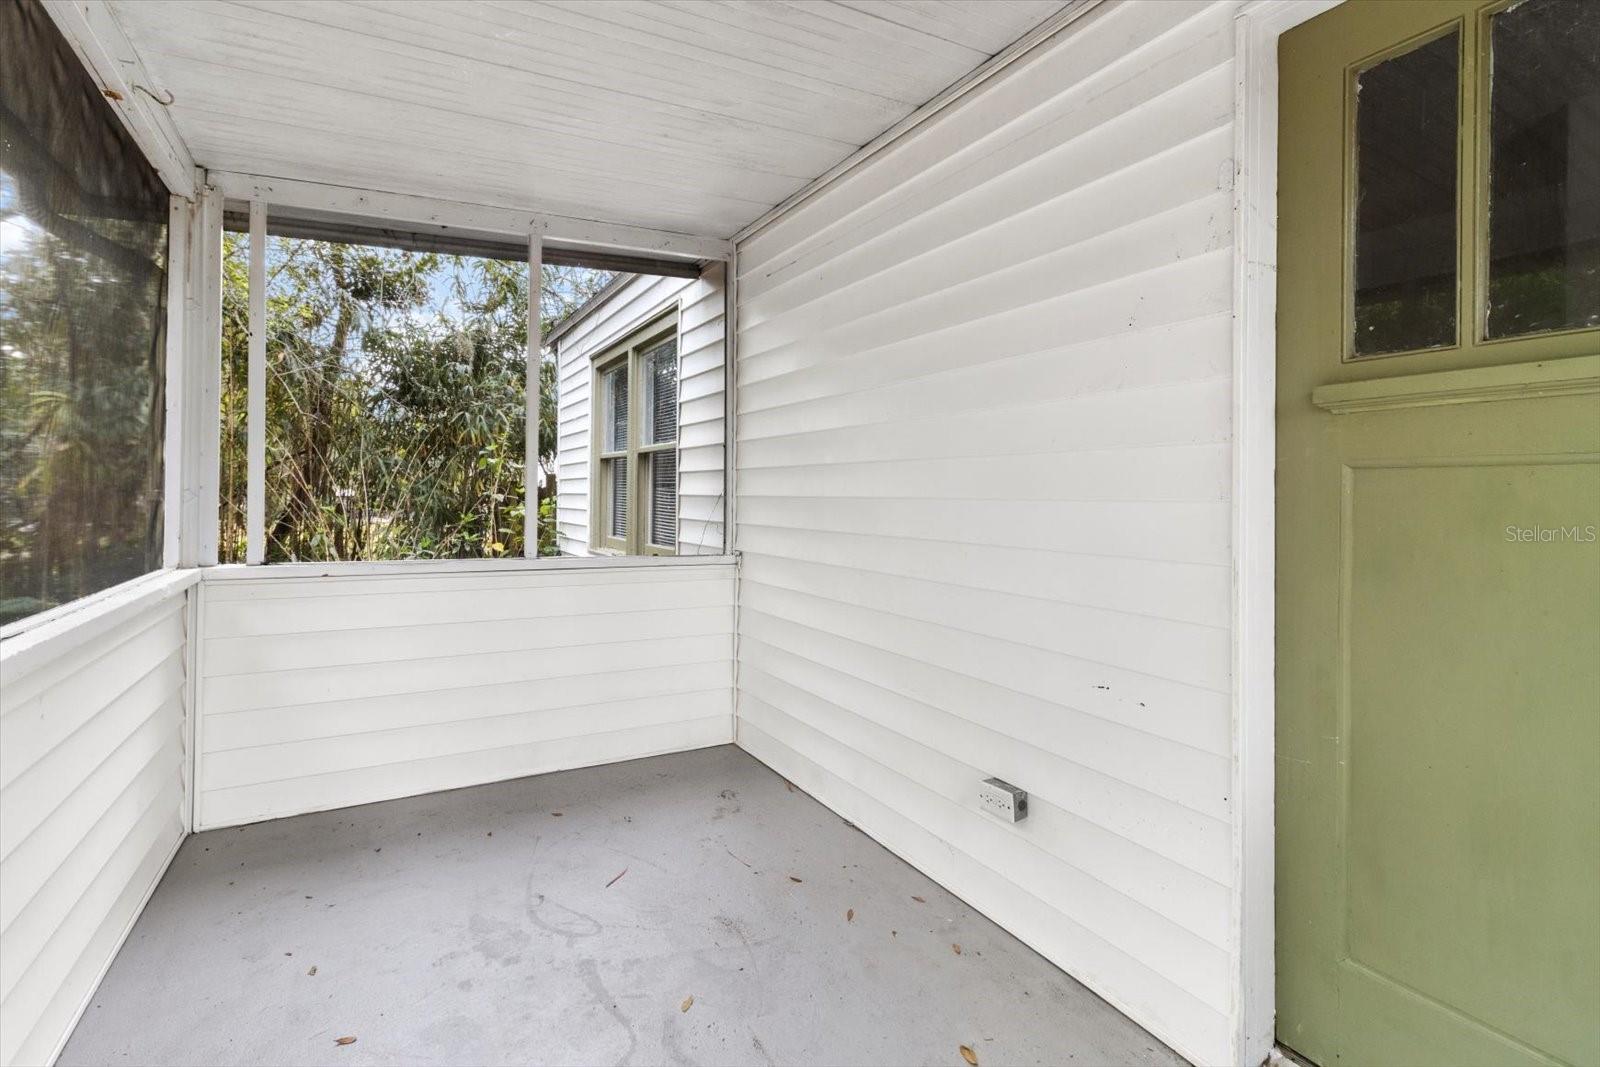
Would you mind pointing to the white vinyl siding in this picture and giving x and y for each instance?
(326, 691)
(92, 807)
(984, 464)
(700, 408)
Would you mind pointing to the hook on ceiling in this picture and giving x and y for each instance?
(165, 98)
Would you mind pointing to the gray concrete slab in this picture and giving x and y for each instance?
(569, 918)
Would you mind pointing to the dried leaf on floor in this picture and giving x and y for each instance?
(313, 971)
(955, 948)
(688, 1002)
(850, 915)
(919, 900)
(969, 1055)
(617, 879)
(344, 1041)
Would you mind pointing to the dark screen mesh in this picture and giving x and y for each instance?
(83, 249)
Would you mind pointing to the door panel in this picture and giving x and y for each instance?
(1439, 575)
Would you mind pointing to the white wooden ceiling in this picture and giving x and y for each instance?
(687, 115)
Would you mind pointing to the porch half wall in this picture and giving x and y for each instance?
(321, 690)
(983, 477)
(93, 797)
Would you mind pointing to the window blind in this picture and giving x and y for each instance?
(617, 409)
(664, 499)
(619, 496)
(661, 392)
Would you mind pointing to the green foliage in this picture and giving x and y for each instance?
(396, 414)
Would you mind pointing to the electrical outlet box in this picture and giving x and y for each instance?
(1003, 800)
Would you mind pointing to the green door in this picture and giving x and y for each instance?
(1438, 598)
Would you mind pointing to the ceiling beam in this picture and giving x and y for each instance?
(463, 218)
(97, 38)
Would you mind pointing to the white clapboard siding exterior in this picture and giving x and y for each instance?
(702, 319)
(324, 691)
(984, 464)
(92, 805)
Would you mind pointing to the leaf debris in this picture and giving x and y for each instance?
(688, 1002)
(850, 915)
(344, 1040)
(969, 1055)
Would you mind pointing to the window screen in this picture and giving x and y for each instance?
(396, 403)
(83, 253)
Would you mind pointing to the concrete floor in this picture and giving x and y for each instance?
(569, 918)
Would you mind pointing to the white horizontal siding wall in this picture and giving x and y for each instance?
(324, 691)
(701, 304)
(92, 806)
(983, 476)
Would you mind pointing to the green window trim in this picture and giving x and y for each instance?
(634, 458)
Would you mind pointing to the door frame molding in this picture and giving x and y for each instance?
(1257, 26)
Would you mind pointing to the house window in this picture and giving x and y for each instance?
(636, 443)
(83, 283)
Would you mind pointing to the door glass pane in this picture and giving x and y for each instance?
(616, 401)
(1544, 167)
(661, 392)
(1405, 205)
(664, 499)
